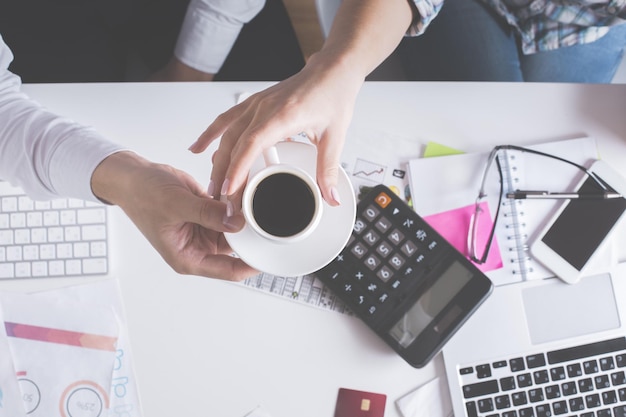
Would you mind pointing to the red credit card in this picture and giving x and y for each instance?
(351, 403)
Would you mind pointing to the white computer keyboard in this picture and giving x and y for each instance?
(63, 237)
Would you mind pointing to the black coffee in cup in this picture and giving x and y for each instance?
(283, 204)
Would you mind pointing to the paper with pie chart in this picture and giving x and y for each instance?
(64, 353)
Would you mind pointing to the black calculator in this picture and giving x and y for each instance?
(403, 279)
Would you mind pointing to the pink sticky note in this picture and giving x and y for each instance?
(453, 225)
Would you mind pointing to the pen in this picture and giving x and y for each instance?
(521, 195)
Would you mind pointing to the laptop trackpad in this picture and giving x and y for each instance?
(556, 311)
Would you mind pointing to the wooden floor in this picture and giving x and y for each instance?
(304, 19)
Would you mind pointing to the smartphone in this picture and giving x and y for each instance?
(580, 227)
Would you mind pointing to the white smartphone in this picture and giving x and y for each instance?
(580, 227)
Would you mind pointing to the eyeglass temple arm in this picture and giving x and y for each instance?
(597, 179)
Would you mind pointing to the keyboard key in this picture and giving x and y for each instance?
(584, 351)
(471, 409)
(592, 400)
(526, 412)
(507, 383)
(480, 389)
(535, 395)
(517, 364)
(7, 270)
(576, 404)
(502, 401)
(22, 270)
(524, 380)
(609, 397)
(535, 361)
(519, 398)
(93, 232)
(619, 411)
(541, 377)
(543, 410)
(559, 407)
(574, 370)
(94, 266)
(499, 364)
(585, 385)
(483, 371)
(602, 381)
(618, 378)
(485, 405)
(557, 373)
(607, 363)
(552, 392)
(569, 388)
(590, 367)
(95, 215)
(466, 371)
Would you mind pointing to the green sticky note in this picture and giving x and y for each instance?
(437, 149)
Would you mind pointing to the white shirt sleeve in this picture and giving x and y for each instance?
(210, 29)
(45, 154)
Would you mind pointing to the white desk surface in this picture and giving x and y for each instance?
(209, 348)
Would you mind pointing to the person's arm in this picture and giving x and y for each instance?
(207, 35)
(174, 213)
(319, 100)
(50, 156)
(39, 148)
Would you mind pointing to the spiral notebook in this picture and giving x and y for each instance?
(445, 184)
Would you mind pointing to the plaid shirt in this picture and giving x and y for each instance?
(542, 25)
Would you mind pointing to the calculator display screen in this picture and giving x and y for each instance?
(430, 304)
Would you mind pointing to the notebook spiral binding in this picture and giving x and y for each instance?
(519, 259)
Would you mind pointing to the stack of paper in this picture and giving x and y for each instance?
(66, 353)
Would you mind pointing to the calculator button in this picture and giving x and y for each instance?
(358, 250)
(385, 273)
(372, 288)
(383, 200)
(383, 224)
(359, 226)
(384, 249)
(396, 261)
(420, 258)
(370, 213)
(372, 262)
(396, 237)
(358, 275)
(382, 298)
(371, 237)
(408, 248)
(421, 235)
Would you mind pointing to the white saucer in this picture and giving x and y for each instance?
(315, 251)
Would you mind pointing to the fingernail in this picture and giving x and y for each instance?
(230, 210)
(225, 185)
(193, 145)
(230, 223)
(211, 188)
(334, 193)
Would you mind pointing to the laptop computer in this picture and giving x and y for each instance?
(543, 348)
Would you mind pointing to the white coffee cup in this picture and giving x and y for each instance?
(282, 202)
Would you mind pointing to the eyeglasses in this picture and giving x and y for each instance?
(479, 253)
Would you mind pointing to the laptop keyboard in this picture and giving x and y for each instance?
(63, 237)
(583, 381)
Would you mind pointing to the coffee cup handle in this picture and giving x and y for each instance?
(270, 155)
